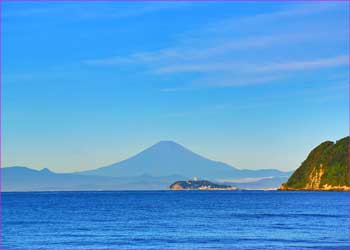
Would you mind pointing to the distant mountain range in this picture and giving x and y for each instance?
(154, 168)
(327, 167)
(26, 179)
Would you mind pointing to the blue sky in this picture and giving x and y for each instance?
(256, 85)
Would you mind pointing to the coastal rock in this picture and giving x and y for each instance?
(325, 169)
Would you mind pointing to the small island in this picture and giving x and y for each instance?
(199, 185)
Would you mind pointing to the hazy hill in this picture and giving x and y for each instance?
(26, 179)
(325, 168)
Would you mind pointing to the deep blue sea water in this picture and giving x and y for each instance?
(175, 220)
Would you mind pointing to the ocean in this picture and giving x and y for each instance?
(175, 220)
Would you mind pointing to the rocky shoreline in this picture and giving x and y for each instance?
(325, 188)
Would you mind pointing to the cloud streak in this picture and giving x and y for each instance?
(214, 58)
(313, 64)
(219, 60)
(89, 10)
(294, 65)
(191, 53)
(290, 12)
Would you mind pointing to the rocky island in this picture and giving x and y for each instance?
(199, 185)
(325, 169)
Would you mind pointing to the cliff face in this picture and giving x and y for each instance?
(326, 168)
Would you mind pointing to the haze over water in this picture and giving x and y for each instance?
(176, 220)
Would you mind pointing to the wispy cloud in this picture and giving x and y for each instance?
(193, 44)
(311, 64)
(319, 63)
(192, 53)
(290, 12)
(222, 59)
(89, 10)
(133, 11)
(234, 81)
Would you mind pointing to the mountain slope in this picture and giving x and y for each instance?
(169, 158)
(326, 168)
